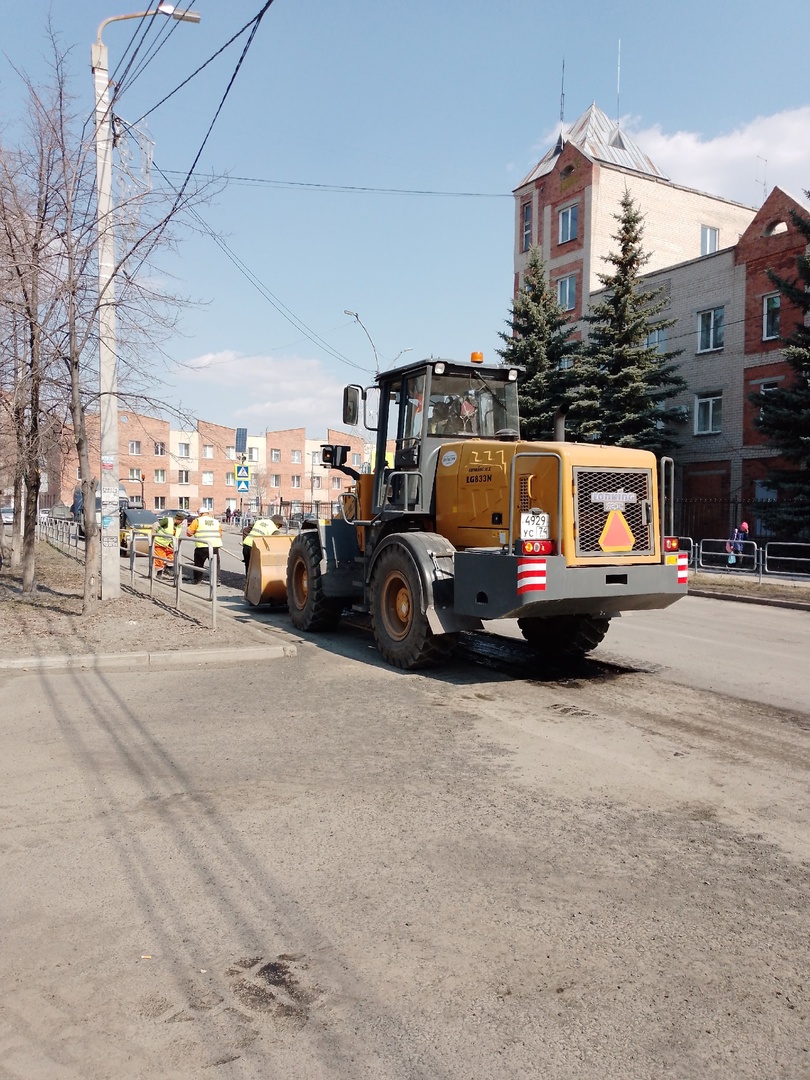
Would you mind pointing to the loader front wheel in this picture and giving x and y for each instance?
(398, 618)
(309, 609)
(564, 635)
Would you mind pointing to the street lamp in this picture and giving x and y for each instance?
(359, 322)
(107, 377)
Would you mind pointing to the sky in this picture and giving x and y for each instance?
(441, 108)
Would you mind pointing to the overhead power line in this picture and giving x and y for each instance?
(350, 188)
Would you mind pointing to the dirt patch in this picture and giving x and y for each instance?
(50, 623)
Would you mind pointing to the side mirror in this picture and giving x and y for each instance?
(351, 405)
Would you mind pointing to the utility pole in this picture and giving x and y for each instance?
(107, 358)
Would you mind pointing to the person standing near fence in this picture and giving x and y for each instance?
(260, 527)
(165, 531)
(734, 544)
(206, 531)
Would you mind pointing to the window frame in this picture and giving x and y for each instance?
(253, 454)
(766, 313)
(160, 449)
(712, 329)
(295, 482)
(526, 223)
(181, 473)
(160, 476)
(709, 234)
(184, 450)
(570, 283)
(207, 478)
(160, 502)
(710, 397)
(568, 216)
(208, 451)
(134, 447)
(296, 457)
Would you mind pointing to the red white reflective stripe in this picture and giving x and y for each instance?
(683, 568)
(531, 575)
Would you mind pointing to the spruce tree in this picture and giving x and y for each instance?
(540, 342)
(784, 413)
(624, 383)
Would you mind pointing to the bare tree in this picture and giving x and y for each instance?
(48, 223)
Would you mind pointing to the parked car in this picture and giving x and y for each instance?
(7, 513)
(137, 524)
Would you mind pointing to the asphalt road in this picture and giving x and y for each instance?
(751, 651)
(321, 867)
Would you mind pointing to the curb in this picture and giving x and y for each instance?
(176, 658)
(764, 601)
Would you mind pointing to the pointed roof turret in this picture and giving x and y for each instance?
(596, 136)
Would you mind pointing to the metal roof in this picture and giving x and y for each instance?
(600, 139)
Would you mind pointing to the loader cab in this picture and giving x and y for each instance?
(421, 408)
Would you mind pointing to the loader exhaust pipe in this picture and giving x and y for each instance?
(559, 423)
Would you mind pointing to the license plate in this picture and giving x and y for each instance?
(534, 526)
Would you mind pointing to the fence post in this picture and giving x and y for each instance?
(213, 564)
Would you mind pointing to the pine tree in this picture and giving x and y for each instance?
(623, 382)
(540, 342)
(784, 413)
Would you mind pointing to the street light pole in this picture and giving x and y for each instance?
(359, 322)
(107, 375)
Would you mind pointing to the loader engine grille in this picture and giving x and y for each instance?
(596, 493)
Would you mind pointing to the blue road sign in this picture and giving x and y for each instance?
(243, 485)
(242, 472)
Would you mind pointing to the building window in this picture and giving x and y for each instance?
(160, 449)
(770, 316)
(567, 293)
(135, 447)
(316, 481)
(208, 504)
(160, 502)
(275, 480)
(295, 481)
(230, 504)
(708, 413)
(230, 480)
(134, 474)
(208, 450)
(709, 239)
(160, 476)
(336, 483)
(767, 388)
(208, 479)
(183, 476)
(184, 449)
(184, 502)
(711, 329)
(230, 453)
(316, 457)
(356, 461)
(657, 339)
(568, 224)
(253, 453)
(295, 456)
(526, 214)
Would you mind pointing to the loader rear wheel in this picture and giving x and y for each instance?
(564, 635)
(398, 620)
(309, 609)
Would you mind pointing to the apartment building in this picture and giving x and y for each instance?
(195, 467)
(710, 255)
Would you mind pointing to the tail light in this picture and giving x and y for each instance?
(670, 543)
(538, 547)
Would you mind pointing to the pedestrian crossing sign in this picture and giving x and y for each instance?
(242, 472)
(243, 485)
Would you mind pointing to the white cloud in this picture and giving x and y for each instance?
(767, 152)
(263, 391)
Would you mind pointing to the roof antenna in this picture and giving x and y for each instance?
(619, 85)
(560, 140)
(764, 180)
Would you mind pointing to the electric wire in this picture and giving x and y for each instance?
(254, 181)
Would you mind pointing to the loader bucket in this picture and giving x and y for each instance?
(267, 570)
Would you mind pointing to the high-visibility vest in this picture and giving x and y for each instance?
(206, 530)
(164, 532)
(261, 527)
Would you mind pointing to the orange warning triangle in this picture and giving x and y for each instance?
(616, 535)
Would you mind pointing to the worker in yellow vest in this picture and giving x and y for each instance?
(206, 531)
(260, 527)
(166, 530)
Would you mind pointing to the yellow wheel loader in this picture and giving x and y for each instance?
(460, 521)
